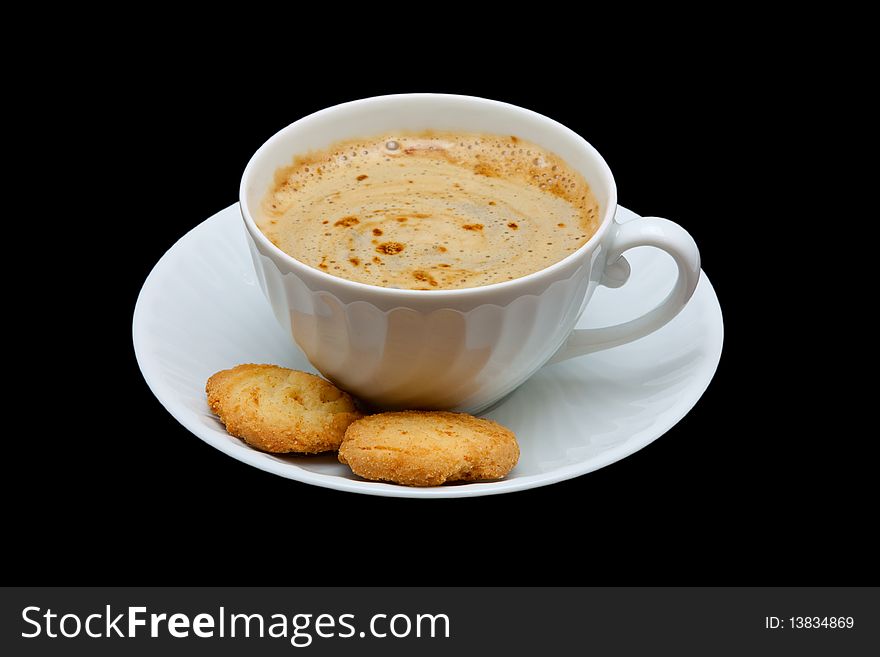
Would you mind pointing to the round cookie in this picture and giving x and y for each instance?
(428, 448)
(276, 409)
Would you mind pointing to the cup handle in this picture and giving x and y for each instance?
(644, 231)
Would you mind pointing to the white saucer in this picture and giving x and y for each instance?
(201, 310)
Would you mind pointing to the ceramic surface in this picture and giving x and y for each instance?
(453, 349)
(201, 310)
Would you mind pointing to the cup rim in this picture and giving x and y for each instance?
(503, 286)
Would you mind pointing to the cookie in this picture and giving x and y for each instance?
(428, 448)
(280, 410)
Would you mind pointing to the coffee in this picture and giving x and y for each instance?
(429, 211)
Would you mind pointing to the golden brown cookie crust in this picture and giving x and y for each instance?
(279, 410)
(428, 448)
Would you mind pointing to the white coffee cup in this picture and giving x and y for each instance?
(453, 349)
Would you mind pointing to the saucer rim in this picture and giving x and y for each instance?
(150, 371)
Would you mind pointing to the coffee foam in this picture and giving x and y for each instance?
(430, 210)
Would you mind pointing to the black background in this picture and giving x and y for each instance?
(741, 491)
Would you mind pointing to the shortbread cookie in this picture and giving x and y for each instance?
(280, 410)
(428, 448)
